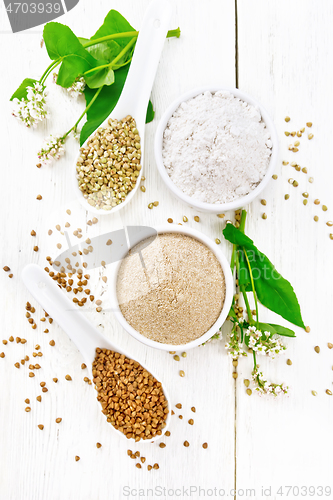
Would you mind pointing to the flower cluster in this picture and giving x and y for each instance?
(234, 346)
(264, 342)
(76, 89)
(263, 387)
(258, 342)
(32, 109)
(52, 150)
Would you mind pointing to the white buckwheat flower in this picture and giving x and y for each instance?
(52, 150)
(77, 88)
(263, 387)
(264, 343)
(234, 347)
(32, 109)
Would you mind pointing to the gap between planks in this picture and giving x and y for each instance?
(235, 407)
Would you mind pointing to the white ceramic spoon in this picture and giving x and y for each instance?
(84, 335)
(136, 92)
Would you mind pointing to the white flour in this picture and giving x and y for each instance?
(216, 148)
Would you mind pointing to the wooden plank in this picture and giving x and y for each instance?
(284, 49)
(40, 464)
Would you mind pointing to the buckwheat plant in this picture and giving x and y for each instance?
(248, 335)
(86, 66)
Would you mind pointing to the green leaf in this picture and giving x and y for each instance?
(282, 330)
(114, 23)
(232, 234)
(273, 291)
(61, 42)
(276, 329)
(104, 104)
(266, 327)
(21, 92)
(106, 51)
(243, 272)
(71, 68)
(103, 52)
(99, 78)
(150, 113)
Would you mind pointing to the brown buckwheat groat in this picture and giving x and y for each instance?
(131, 398)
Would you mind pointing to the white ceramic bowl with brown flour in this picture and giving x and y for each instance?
(216, 148)
(176, 293)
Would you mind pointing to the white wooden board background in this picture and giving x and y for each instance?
(284, 60)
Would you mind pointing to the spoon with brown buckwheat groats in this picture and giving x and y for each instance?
(134, 402)
(108, 169)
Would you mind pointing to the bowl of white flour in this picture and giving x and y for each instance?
(216, 149)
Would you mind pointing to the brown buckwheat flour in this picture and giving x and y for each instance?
(171, 291)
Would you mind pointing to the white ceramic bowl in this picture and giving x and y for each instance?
(192, 202)
(227, 301)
